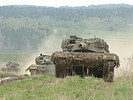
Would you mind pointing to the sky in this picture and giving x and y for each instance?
(58, 3)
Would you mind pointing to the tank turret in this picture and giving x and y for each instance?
(75, 44)
(43, 59)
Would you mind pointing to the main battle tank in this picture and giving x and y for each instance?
(11, 67)
(43, 65)
(85, 57)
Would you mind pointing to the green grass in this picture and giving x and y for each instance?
(121, 89)
(47, 87)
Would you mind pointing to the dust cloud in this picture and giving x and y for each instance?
(124, 49)
(48, 46)
(51, 44)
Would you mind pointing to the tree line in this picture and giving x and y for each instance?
(23, 28)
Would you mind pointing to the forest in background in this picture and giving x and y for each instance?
(23, 28)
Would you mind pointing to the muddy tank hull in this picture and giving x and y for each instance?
(85, 63)
(42, 69)
(11, 67)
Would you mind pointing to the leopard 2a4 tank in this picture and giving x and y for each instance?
(85, 57)
(43, 65)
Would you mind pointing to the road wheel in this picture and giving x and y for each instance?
(33, 71)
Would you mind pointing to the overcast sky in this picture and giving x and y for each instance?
(57, 3)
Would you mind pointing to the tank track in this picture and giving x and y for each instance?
(106, 71)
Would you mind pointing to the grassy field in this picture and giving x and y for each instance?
(71, 88)
(47, 87)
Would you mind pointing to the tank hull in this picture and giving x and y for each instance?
(85, 63)
(42, 69)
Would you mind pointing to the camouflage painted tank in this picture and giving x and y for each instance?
(11, 67)
(43, 65)
(85, 57)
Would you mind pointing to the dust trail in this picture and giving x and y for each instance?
(124, 49)
(51, 44)
(48, 46)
